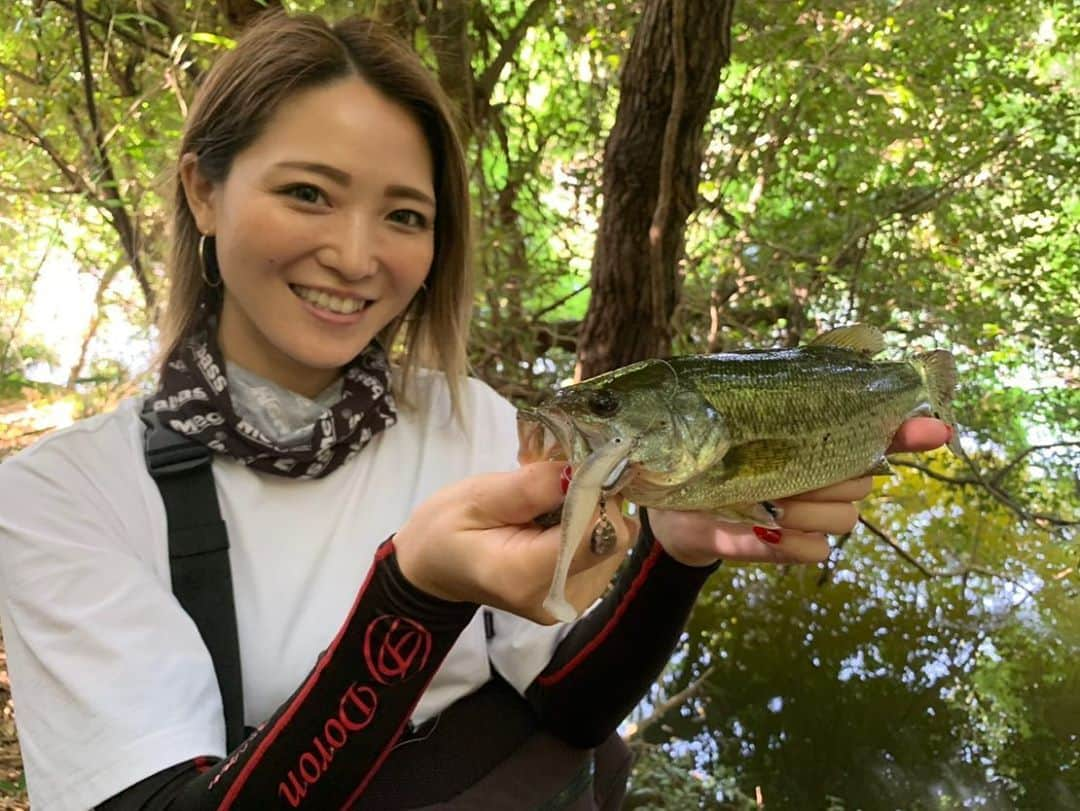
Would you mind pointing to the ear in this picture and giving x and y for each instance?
(200, 193)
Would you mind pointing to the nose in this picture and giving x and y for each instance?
(352, 247)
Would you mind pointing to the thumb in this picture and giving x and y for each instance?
(518, 496)
(920, 434)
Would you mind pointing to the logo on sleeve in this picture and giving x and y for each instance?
(396, 648)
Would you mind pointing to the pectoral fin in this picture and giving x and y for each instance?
(750, 512)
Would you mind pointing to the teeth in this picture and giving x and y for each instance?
(335, 304)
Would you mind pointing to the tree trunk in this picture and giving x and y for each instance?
(652, 162)
(402, 15)
(448, 28)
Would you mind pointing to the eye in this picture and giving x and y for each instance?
(409, 218)
(305, 193)
(603, 403)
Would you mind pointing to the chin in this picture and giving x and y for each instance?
(325, 361)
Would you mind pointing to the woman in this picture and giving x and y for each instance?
(321, 214)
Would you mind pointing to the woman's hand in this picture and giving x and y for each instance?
(475, 541)
(697, 539)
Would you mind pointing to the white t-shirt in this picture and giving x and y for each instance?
(110, 678)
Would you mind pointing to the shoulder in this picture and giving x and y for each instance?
(78, 501)
(84, 482)
(90, 445)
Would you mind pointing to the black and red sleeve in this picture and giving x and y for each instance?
(325, 743)
(607, 662)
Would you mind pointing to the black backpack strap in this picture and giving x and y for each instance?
(199, 555)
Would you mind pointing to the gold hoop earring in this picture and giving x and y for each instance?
(208, 262)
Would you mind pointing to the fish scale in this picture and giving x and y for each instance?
(802, 420)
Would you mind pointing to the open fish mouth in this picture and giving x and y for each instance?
(551, 436)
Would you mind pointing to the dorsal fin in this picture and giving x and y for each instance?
(856, 337)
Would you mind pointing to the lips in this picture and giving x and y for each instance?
(331, 302)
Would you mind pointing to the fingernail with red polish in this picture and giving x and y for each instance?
(768, 535)
(564, 479)
(948, 434)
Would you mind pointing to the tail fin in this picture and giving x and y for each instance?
(939, 372)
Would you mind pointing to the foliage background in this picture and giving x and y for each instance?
(900, 162)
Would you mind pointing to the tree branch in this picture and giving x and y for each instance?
(18, 74)
(933, 474)
(992, 483)
(38, 139)
(92, 329)
(27, 190)
(117, 209)
(122, 32)
(931, 574)
(899, 550)
(1009, 500)
(163, 14)
(541, 313)
(563, 335)
(1000, 474)
(486, 83)
(917, 204)
(637, 731)
(14, 326)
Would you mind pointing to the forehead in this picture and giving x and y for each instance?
(350, 125)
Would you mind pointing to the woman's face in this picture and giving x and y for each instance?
(324, 231)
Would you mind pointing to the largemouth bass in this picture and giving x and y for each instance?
(730, 433)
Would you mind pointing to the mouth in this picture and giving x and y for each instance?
(334, 304)
(550, 436)
(546, 437)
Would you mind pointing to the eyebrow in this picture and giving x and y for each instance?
(338, 176)
(410, 193)
(343, 179)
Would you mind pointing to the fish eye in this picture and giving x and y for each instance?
(603, 403)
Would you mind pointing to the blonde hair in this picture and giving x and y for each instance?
(281, 55)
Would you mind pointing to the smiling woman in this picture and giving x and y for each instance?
(250, 588)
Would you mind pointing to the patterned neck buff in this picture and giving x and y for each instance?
(194, 399)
